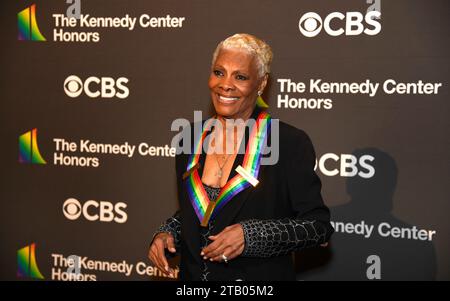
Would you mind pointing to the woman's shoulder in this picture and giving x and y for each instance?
(288, 132)
(294, 143)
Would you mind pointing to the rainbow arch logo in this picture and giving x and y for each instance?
(26, 263)
(28, 148)
(28, 27)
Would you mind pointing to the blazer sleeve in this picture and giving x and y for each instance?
(311, 225)
(172, 225)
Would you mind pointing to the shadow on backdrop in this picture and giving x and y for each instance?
(371, 202)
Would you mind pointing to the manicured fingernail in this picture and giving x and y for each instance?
(166, 268)
(204, 257)
(202, 253)
(211, 259)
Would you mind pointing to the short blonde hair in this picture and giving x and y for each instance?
(251, 44)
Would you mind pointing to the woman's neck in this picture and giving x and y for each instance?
(228, 135)
(230, 121)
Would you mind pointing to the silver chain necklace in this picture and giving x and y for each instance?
(219, 173)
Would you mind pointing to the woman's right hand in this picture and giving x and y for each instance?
(162, 241)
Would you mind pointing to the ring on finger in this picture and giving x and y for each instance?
(225, 259)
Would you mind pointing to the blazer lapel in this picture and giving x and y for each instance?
(228, 212)
(232, 208)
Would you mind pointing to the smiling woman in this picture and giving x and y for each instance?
(239, 74)
(234, 84)
(240, 218)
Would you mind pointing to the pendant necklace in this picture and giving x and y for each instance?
(219, 173)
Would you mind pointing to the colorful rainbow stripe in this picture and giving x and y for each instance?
(28, 148)
(26, 262)
(28, 28)
(252, 159)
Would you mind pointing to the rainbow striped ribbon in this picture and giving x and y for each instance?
(206, 209)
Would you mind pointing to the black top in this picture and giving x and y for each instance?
(213, 193)
(283, 213)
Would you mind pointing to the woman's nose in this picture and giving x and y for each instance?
(226, 84)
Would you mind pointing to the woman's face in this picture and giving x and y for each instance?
(234, 83)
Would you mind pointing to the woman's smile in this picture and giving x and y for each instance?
(226, 100)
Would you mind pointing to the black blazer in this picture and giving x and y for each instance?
(289, 188)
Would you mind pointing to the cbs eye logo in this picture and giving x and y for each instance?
(73, 86)
(349, 24)
(95, 211)
(72, 209)
(94, 87)
(310, 24)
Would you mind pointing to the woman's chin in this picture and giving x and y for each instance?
(225, 113)
(225, 110)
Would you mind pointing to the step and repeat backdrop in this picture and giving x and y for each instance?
(89, 91)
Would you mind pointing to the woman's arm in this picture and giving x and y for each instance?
(173, 226)
(166, 238)
(268, 238)
(310, 227)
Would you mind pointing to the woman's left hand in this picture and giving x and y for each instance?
(229, 243)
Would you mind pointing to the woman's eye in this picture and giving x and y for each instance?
(241, 77)
(217, 73)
